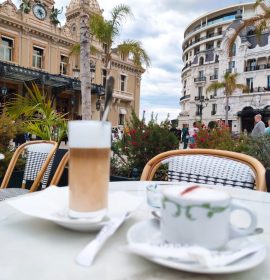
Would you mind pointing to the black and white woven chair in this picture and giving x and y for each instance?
(38, 161)
(207, 166)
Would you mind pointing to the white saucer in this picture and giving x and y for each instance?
(52, 204)
(148, 230)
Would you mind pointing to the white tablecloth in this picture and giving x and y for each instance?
(32, 248)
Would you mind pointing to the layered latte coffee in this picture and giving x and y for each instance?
(89, 167)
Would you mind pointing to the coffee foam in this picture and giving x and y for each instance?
(201, 193)
(89, 134)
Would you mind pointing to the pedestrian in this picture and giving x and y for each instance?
(267, 130)
(185, 135)
(192, 134)
(259, 128)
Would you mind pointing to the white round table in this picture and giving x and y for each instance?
(33, 248)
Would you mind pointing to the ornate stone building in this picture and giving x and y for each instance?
(35, 48)
(206, 60)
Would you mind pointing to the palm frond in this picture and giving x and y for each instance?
(215, 86)
(119, 14)
(38, 115)
(260, 22)
(101, 29)
(135, 49)
(75, 50)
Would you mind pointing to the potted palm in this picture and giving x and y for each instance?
(35, 111)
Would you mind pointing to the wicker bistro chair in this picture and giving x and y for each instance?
(207, 166)
(39, 157)
(60, 169)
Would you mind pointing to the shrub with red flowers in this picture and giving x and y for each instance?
(140, 143)
(217, 137)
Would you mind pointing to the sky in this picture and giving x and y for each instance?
(160, 25)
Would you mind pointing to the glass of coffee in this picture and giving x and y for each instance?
(89, 168)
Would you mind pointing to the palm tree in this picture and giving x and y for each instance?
(107, 31)
(85, 61)
(260, 22)
(229, 85)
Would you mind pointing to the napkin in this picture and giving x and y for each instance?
(52, 203)
(196, 254)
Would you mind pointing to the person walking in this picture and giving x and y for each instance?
(267, 130)
(185, 136)
(192, 132)
(259, 128)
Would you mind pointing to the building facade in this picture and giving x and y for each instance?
(34, 47)
(205, 57)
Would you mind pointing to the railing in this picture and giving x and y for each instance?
(184, 97)
(202, 39)
(213, 77)
(257, 67)
(200, 79)
(213, 112)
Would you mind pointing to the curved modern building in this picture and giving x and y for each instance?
(206, 60)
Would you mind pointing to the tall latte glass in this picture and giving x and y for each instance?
(89, 164)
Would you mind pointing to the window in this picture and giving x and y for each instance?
(198, 110)
(123, 82)
(197, 50)
(231, 65)
(218, 44)
(201, 74)
(268, 82)
(214, 109)
(250, 84)
(216, 72)
(37, 57)
(200, 90)
(201, 61)
(104, 76)
(251, 65)
(63, 65)
(185, 83)
(217, 58)
(234, 50)
(6, 48)
(121, 119)
(219, 31)
(209, 46)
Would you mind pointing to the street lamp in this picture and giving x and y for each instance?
(201, 102)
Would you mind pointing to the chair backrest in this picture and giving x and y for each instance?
(209, 167)
(60, 169)
(38, 156)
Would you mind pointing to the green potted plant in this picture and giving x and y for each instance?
(35, 111)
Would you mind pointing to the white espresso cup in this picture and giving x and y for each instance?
(201, 216)
(89, 168)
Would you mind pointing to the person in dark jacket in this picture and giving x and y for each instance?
(185, 135)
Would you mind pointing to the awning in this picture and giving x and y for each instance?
(122, 111)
